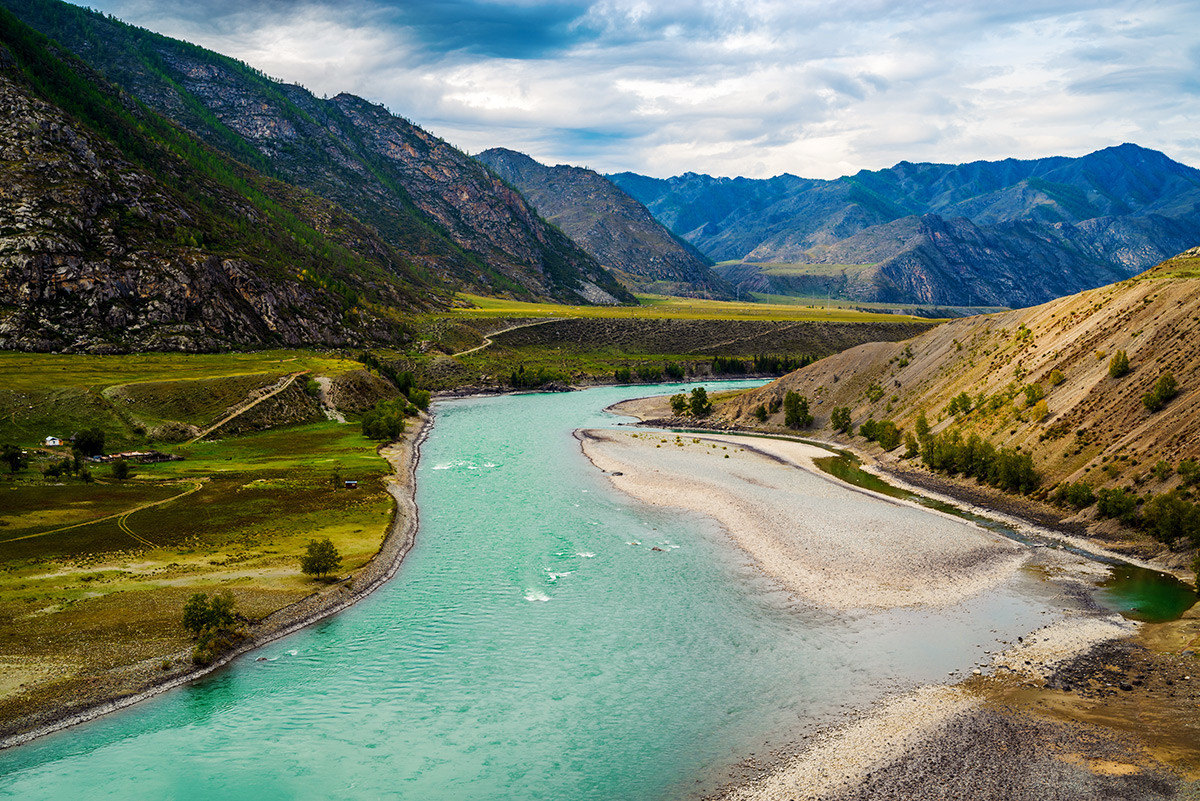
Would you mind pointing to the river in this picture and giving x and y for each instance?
(532, 646)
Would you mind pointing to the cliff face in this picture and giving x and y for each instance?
(110, 240)
(433, 204)
(1010, 233)
(1092, 427)
(610, 225)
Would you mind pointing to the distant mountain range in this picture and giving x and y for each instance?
(1010, 233)
(429, 203)
(609, 224)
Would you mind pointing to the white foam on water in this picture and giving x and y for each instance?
(533, 595)
(586, 554)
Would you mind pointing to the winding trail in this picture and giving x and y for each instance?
(247, 406)
(120, 517)
(487, 340)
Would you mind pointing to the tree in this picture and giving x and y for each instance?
(14, 457)
(679, 404)
(922, 425)
(320, 558)
(911, 447)
(200, 614)
(90, 442)
(385, 421)
(795, 410)
(761, 413)
(699, 403)
(1118, 365)
(120, 470)
(840, 420)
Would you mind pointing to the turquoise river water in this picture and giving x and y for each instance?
(532, 646)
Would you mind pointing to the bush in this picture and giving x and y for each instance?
(887, 435)
(699, 404)
(874, 392)
(1079, 495)
(839, 419)
(912, 448)
(1118, 365)
(649, 372)
(385, 420)
(673, 371)
(1056, 377)
(679, 404)
(761, 413)
(1168, 517)
(960, 404)
(1163, 390)
(795, 410)
(199, 613)
(1118, 503)
(320, 558)
(120, 470)
(419, 398)
(622, 375)
(867, 429)
(1189, 471)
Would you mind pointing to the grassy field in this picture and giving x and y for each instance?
(672, 308)
(94, 575)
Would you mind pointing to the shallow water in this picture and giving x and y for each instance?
(532, 646)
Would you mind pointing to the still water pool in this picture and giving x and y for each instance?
(532, 646)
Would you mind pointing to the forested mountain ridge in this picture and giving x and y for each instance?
(119, 231)
(617, 230)
(1007, 233)
(429, 201)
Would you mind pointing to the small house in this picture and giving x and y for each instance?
(52, 442)
(351, 483)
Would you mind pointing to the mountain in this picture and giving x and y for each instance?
(610, 225)
(426, 199)
(1010, 233)
(1038, 382)
(119, 231)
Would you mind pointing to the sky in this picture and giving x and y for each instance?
(735, 87)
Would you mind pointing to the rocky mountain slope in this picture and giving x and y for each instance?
(1009, 233)
(617, 230)
(424, 198)
(1037, 381)
(120, 232)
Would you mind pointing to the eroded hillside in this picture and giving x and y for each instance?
(1037, 380)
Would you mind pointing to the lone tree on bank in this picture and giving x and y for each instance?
(320, 558)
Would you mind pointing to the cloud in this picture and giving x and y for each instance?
(735, 87)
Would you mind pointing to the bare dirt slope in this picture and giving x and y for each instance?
(1093, 427)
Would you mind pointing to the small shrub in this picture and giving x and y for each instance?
(1118, 365)
(679, 404)
(1118, 503)
(1056, 377)
(874, 392)
(1079, 495)
(1163, 390)
(1189, 471)
(622, 375)
(761, 413)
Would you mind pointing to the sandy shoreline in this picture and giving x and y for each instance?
(828, 543)
(1007, 730)
(146, 680)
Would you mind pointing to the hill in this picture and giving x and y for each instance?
(1037, 382)
(120, 232)
(610, 225)
(1010, 233)
(429, 201)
